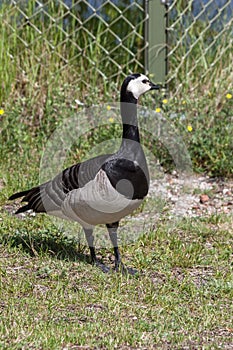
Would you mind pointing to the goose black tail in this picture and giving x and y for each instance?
(23, 209)
(18, 195)
(32, 197)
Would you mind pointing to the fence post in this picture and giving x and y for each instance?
(156, 58)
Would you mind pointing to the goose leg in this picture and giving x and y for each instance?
(112, 230)
(90, 242)
(119, 266)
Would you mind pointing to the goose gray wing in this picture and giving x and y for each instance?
(49, 196)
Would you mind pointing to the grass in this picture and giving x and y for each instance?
(51, 297)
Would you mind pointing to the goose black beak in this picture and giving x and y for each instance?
(155, 86)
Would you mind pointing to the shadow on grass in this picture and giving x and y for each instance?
(56, 244)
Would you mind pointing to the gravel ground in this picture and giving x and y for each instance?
(194, 195)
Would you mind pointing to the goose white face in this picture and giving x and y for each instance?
(139, 86)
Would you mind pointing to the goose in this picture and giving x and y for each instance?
(103, 189)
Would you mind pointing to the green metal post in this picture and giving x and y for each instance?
(156, 58)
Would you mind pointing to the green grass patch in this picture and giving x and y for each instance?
(51, 297)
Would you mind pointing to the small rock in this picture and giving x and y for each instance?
(174, 173)
(79, 102)
(226, 191)
(204, 198)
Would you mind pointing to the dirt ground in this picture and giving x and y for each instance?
(194, 195)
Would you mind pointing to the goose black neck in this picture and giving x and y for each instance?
(129, 116)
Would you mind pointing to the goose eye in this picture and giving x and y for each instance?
(145, 81)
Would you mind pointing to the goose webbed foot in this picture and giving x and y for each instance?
(125, 270)
(120, 267)
(101, 266)
(96, 262)
(131, 271)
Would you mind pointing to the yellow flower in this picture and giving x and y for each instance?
(165, 101)
(157, 110)
(228, 96)
(111, 119)
(189, 128)
(2, 111)
(108, 107)
(183, 102)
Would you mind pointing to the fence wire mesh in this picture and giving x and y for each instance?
(104, 38)
(200, 35)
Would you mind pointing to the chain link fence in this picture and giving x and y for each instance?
(104, 38)
(107, 39)
(200, 35)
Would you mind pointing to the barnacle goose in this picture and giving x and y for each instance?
(106, 188)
